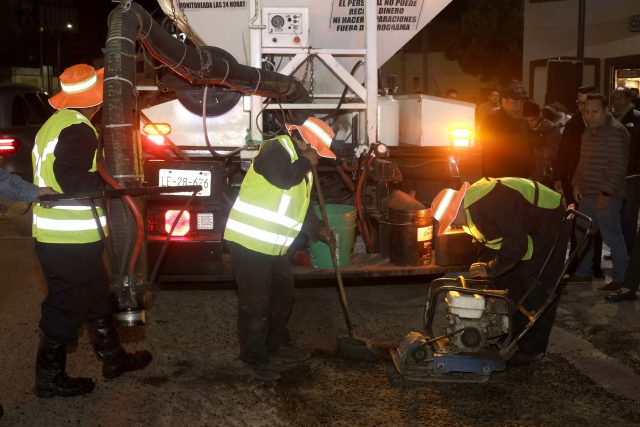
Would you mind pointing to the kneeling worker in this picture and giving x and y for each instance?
(516, 220)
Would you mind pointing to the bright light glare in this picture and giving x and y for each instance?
(182, 227)
(460, 137)
(157, 129)
(156, 139)
(8, 146)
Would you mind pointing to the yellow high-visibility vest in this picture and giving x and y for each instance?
(265, 218)
(67, 221)
(534, 192)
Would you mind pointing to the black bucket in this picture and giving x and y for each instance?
(410, 236)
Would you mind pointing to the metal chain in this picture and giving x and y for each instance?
(306, 72)
(309, 74)
(311, 78)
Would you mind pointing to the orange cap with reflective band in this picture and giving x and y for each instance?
(317, 134)
(81, 88)
(445, 206)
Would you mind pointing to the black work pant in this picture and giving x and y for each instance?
(78, 288)
(265, 299)
(522, 278)
(632, 275)
(597, 237)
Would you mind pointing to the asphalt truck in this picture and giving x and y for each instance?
(192, 90)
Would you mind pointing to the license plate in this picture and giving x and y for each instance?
(178, 177)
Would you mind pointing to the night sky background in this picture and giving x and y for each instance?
(21, 44)
(20, 40)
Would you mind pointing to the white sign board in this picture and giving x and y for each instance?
(393, 15)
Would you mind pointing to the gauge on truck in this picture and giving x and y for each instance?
(285, 27)
(277, 21)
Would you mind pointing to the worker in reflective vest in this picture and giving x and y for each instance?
(516, 221)
(268, 214)
(69, 240)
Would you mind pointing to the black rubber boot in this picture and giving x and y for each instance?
(106, 343)
(51, 379)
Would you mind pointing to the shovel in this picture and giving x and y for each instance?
(350, 347)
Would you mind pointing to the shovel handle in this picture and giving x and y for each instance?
(334, 254)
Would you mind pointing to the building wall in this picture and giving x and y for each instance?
(551, 30)
(433, 76)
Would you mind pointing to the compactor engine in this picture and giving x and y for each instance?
(466, 331)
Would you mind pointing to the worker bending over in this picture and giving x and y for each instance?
(515, 221)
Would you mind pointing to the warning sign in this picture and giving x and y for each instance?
(393, 15)
(206, 5)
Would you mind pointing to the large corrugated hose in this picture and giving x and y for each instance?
(129, 23)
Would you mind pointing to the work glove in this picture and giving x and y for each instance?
(311, 155)
(478, 270)
(326, 234)
(44, 191)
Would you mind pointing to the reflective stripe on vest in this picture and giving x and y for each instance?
(534, 192)
(265, 218)
(67, 221)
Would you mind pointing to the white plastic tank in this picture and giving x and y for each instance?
(388, 120)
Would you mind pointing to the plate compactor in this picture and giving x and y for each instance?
(467, 334)
(468, 331)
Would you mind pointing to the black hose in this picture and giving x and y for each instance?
(213, 152)
(211, 65)
(129, 23)
(165, 244)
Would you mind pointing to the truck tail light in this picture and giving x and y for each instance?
(182, 227)
(9, 146)
(156, 132)
(460, 137)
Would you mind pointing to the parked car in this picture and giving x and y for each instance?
(23, 110)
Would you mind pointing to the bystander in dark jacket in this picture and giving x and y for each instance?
(544, 139)
(504, 138)
(623, 110)
(599, 184)
(565, 167)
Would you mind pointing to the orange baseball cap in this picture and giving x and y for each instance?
(81, 88)
(317, 134)
(445, 206)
